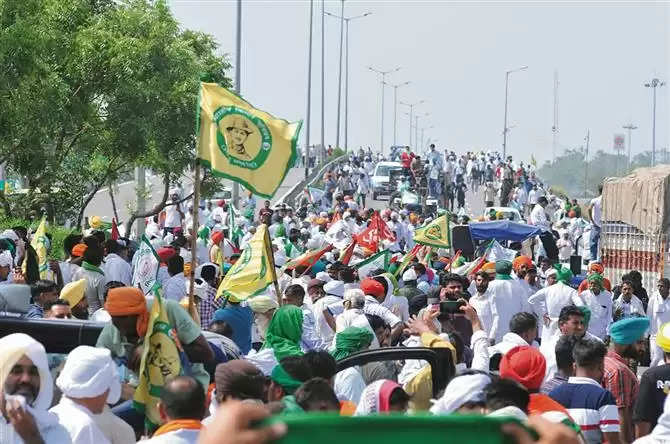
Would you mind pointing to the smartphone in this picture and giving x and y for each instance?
(451, 307)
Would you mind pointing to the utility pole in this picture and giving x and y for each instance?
(586, 162)
(654, 84)
(554, 128)
(411, 111)
(323, 82)
(309, 88)
(339, 79)
(505, 128)
(383, 83)
(238, 78)
(395, 108)
(630, 127)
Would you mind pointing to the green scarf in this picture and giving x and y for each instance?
(290, 405)
(86, 266)
(286, 381)
(284, 332)
(596, 277)
(503, 277)
(350, 340)
(563, 274)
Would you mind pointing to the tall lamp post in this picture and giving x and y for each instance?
(422, 130)
(630, 127)
(416, 130)
(309, 87)
(654, 84)
(383, 83)
(395, 108)
(411, 115)
(346, 76)
(505, 129)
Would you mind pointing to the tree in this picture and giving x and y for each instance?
(93, 88)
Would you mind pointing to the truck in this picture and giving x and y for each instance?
(635, 224)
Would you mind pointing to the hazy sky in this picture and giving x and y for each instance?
(456, 54)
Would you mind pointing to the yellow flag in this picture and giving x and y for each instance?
(162, 358)
(242, 143)
(40, 244)
(435, 234)
(252, 272)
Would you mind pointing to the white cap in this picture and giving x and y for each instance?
(335, 288)
(409, 275)
(323, 276)
(89, 372)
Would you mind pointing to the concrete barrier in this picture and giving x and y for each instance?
(289, 198)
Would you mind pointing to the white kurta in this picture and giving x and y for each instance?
(549, 301)
(601, 311)
(175, 287)
(349, 385)
(507, 299)
(658, 312)
(117, 269)
(78, 421)
(629, 309)
(482, 304)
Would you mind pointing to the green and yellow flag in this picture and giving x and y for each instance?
(435, 234)
(162, 358)
(242, 143)
(40, 244)
(252, 272)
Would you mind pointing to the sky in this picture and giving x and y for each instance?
(455, 54)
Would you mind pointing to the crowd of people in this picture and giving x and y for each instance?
(524, 340)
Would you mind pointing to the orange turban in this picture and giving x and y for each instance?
(525, 365)
(521, 260)
(126, 301)
(596, 268)
(79, 249)
(489, 267)
(217, 237)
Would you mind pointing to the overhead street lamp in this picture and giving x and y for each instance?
(630, 127)
(395, 107)
(346, 83)
(411, 115)
(422, 130)
(383, 83)
(655, 83)
(505, 128)
(416, 129)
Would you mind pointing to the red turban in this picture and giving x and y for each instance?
(525, 365)
(79, 249)
(521, 260)
(222, 202)
(165, 253)
(373, 288)
(126, 301)
(597, 268)
(217, 237)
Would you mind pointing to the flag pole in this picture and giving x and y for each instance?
(271, 258)
(194, 239)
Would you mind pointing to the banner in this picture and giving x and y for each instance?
(435, 234)
(146, 266)
(379, 260)
(242, 143)
(252, 272)
(162, 359)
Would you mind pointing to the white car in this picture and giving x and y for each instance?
(509, 213)
(380, 178)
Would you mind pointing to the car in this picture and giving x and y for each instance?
(509, 213)
(380, 178)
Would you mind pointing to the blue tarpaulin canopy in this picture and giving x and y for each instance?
(502, 230)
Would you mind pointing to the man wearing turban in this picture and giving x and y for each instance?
(349, 384)
(595, 267)
(599, 301)
(507, 299)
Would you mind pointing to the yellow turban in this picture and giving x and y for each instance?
(73, 292)
(663, 337)
(262, 304)
(95, 221)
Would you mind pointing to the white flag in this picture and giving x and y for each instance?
(146, 266)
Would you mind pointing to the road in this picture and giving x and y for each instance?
(125, 194)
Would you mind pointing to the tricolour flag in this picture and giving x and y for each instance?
(314, 195)
(242, 143)
(162, 358)
(252, 272)
(407, 259)
(146, 267)
(374, 262)
(307, 259)
(435, 234)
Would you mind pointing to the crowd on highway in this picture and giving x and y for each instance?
(525, 338)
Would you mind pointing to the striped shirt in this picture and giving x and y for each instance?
(592, 407)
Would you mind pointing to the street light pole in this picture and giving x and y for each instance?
(339, 79)
(629, 127)
(416, 131)
(323, 82)
(346, 75)
(411, 111)
(238, 78)
(383, 83)
(395, 108)
(309, 88)
(507, 73)
(655, 83)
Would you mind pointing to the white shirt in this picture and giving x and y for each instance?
(595, 215)
(117, 269)
(67, 269)
(601, 311)
(506, 301)
(532, 197)
(539, 218)
(322, 327)
(354, 317)
(658, 312)
(175, 287)
(509, 341)
(551, 300)
(349, 385)
(79, 423)
(629, 309)
(50, 429)
(482, 304)
(172, 217)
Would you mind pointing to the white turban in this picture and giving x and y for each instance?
(14, 347)
(409, 275)
(89, 372)
(323, 276)
(9, 234)
(262, 304)
(461, 390)
(6, 259)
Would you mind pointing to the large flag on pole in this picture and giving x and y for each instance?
(435, 234)
(146, 267)
(242, 143)
(252, 272)
(307, 259)
(374, 262)
(407, 259)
